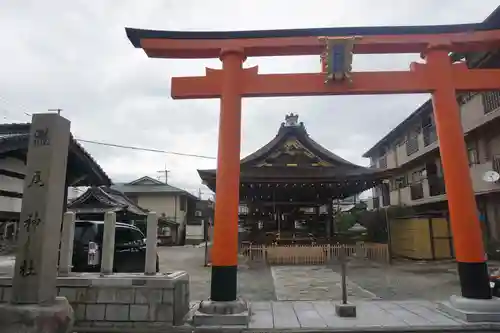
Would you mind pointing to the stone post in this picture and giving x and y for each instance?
(35, 274)
(34, 305)
(108, 243)
(151, 239)
(67, 238)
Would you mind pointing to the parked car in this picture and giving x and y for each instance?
(130, 248)
(495, 283)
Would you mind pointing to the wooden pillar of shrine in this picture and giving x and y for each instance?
(330, 228)
(316, 219)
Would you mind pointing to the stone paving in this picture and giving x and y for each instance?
(320, 315)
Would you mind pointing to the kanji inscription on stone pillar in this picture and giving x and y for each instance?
(35, 272)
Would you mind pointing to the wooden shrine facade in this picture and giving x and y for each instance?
(288, 186)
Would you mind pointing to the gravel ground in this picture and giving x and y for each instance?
(366, 280)
(403, 280)
(314, 283)
(255, 282)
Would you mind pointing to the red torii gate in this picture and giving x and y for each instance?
(438, 75)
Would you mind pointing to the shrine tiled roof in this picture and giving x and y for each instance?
(335, 167)
(102, 199)
(299, 131)
(283, 173)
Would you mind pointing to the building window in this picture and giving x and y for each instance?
(487, 149)
(416, 191)
(427, 121)
(383, 162)
(195, 222)
(496, 163)
(386, 197)
(472, 154)
(418, 176)
(491, 101)
(430, 135)
(412, 142)
(400, 141)
(197, 213)
(399, 182)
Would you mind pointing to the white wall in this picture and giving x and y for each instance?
(194, 232)
(168, 204)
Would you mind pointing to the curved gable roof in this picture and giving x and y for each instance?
(105, 196)
(339, 169)
(300, 133)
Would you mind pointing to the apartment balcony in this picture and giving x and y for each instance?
(481, 109)
(432, 189)
(477, 176)
(426, 142)
(436, 185)
(416, 191)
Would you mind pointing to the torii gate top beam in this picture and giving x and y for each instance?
(391, 39)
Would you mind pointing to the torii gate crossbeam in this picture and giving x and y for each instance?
(438, 75)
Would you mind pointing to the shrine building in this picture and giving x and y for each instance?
(288, 188)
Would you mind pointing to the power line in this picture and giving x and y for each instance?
(129, 147)
(144, 149)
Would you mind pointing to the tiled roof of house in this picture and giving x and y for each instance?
(149, 185)
(15, 136)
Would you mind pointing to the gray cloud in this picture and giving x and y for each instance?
(75, 55)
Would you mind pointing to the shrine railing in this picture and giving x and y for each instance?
(313, 254)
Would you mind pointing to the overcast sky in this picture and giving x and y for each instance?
(75, 55)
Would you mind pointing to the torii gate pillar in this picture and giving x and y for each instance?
(467, 234)
(225, 240)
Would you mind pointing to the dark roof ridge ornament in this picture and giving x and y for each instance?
(292, 120)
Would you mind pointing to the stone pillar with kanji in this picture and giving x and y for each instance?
(35, 273)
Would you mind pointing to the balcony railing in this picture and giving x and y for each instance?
(491, 101)
(430, 135)
(436, 185)
(416, 191)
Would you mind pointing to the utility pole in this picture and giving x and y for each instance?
(165, 172)
(199, 193)
(58, 111)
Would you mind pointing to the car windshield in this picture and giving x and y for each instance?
(123, 234)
